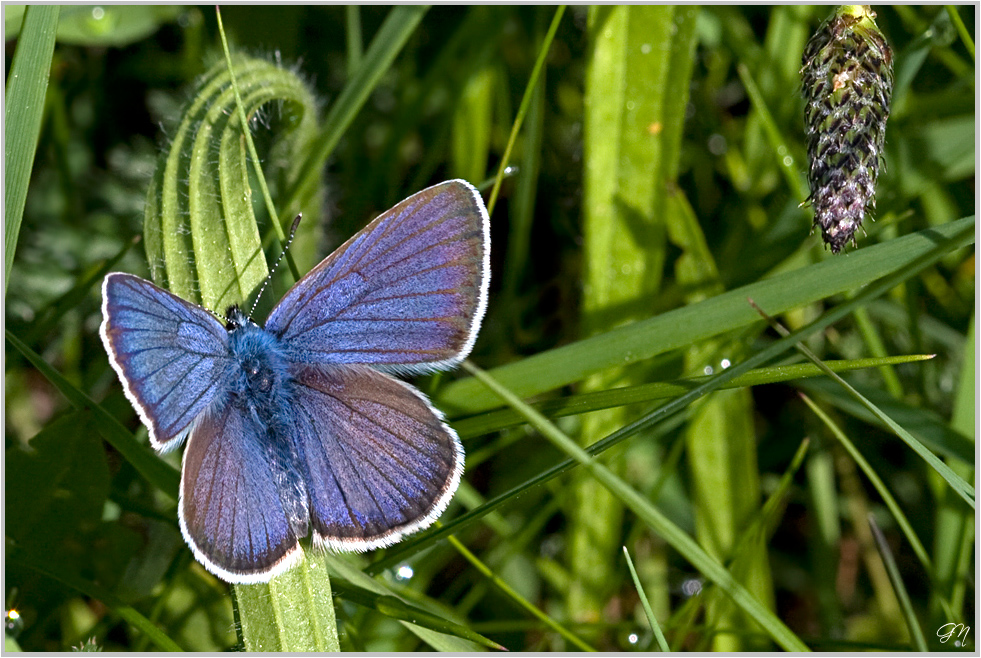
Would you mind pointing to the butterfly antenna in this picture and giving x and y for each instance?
(265, 284)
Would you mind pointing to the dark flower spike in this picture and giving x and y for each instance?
(847, 85)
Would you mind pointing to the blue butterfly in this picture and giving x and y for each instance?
(296, 428)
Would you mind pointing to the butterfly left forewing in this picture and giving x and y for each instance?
(380, 461)
(171, 356)
(231, 508)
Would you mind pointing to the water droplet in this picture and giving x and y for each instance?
(717, 144)
(98, 13)
(788, 160)
(13, 622)
(646, 48)
(405, 572)
(630, 105)
(691, 587)
(633, 638)
(725, 363)
(708, 370)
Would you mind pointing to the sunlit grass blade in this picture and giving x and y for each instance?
(517, 598)
(677, 538)
(499, 419)
(525, 104)
(27, 83)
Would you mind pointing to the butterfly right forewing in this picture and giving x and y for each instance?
(407, 292)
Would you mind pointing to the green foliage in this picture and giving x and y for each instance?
(659, 175)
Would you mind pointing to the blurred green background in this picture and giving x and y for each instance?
(659, 164)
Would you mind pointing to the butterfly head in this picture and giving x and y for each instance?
(236, 319)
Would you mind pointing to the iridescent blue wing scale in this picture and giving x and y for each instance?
(406, 293)
(171, 356)
(231, 511)
(380, 461)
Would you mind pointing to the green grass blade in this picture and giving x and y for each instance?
(894, 261)
(957, 483)
(396, 608)
(523, 107)
(651, 619)
(521, 601)
(928, 426)
(919, 642)
(676, 537)
(391, 37)
(880, 487)
(638, 73)
(492, 421)
(27, 84)
(439, 641)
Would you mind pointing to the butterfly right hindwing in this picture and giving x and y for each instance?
(381, 462)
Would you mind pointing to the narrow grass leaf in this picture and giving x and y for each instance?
(521, 601)
(27, 83)
(399, 25)
(437, 640)
(928, 426)
(883, 491)
(492, 421)
(393, 607)
(957, 483)
(897, 584)
(651, 619)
